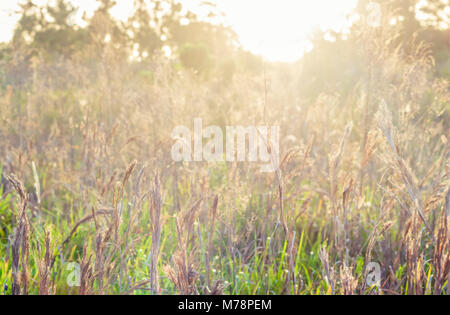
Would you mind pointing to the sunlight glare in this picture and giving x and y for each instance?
(277, 30)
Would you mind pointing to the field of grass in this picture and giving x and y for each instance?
(89, 190)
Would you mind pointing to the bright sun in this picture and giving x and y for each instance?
(279, 29)
(274, 29)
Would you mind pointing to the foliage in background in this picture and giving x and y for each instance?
(87, 175)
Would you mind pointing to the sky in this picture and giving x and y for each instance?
(275, 29)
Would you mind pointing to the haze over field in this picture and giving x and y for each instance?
(163, 147)
(275, 29)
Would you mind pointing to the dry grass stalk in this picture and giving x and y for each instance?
(45, 266)
(86, 274)
(127, 244)
(184, 273)
(334, 167)
(385, 125)
(217, 288)
(328, 269)
(213, 213)
(156, 203)
(21, 242)
(37, 185)
(291, 262)
(441, 259)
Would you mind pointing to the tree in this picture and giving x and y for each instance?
(143, 28)
(436, 16)
(50, 30)
(105, 32)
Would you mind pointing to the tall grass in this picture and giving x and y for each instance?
(87, 177)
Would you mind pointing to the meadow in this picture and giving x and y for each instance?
(91, 201)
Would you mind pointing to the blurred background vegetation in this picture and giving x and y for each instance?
(164, 28)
